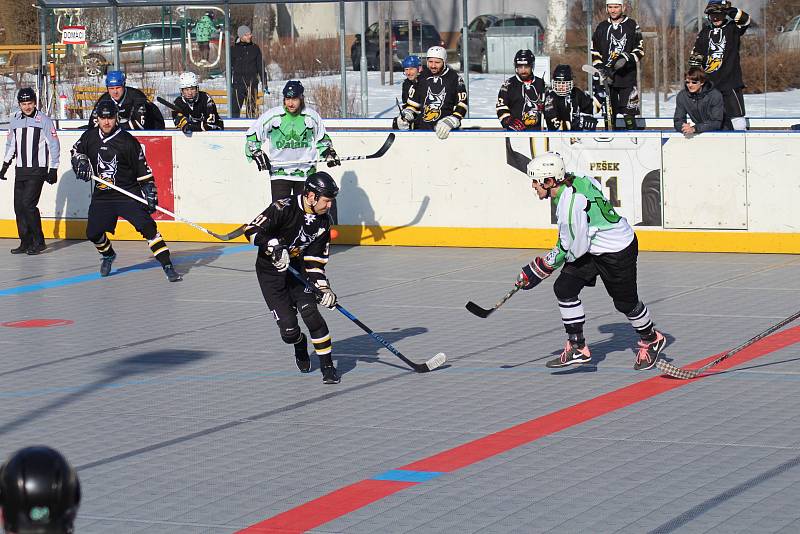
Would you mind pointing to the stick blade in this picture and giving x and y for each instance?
(436, 362)
(675, 372)
(477, 310)
(385, 148)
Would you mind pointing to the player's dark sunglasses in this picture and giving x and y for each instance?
(694, 82)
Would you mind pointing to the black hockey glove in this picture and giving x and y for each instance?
(606, 74)
(187, 128)
(3, 171)
(533, 273)
(52, 176)
(621, 61)
(588, 123)
(150, 195)
(82, 167)
(262, 161)
(331, 158)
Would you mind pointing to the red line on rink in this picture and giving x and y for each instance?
(350, 498)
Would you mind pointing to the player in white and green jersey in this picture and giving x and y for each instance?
(593, 239)
(293, 133)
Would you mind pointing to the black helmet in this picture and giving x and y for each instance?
(717, 6)
(293, 89)
(107, 109)
(562, 80)
(322, 184)
(524, 57)
(26, 94)
(39, 492)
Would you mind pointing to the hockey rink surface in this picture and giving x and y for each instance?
(184, 412)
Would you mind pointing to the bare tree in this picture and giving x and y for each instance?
(556, 26)
(20, 20)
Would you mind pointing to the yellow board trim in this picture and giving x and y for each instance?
(427, 236)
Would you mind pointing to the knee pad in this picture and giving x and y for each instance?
(628, 307)
(312, 318)
(291, 335)
(565, 288)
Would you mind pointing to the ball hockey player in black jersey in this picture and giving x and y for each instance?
(296, 231)
(521, 98)
(565, 106)
(716, 51)
(198, 112)
(131, 103)
(439, 99)
(617, 49)
(114, 155)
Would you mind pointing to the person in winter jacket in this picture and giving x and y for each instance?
(699, 106)
(246, 72)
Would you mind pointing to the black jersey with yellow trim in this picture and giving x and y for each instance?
(117, 158)
(306, 235)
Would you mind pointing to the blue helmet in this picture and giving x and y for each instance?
(115, 78)
(411, 62)
(293, 89)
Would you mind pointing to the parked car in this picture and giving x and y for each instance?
(159, 43)
(788, 38)
(425, 35)
(477, 35)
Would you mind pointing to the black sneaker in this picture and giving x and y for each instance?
(22, 249)
(36, 249)
(648, 352)
(329, 375)
(172, 274)
(572, 355)
(105, 264)
(301, 357)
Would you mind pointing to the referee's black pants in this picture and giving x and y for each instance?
(29, 222)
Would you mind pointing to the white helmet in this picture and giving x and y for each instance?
(437, 52)
(188, 79)
(548, 165)
(614, 2)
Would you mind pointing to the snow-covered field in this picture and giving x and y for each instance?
(381, 98)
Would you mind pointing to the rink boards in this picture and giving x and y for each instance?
(719, 192)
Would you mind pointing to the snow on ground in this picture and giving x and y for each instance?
(382, 98)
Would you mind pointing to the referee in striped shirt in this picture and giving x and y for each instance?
(33, 141)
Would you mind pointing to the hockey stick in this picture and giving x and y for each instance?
(380, 152)
(594, 71)
(686, 374)
(430, 365)
(515, 159)
(226, 237)
(483, 312)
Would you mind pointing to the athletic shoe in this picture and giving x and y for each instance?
(172, 274)
(301, 357)
(329, 375)
(36, 249)
(648, 352)
(572, 355)
(105, 264)
(22, 249)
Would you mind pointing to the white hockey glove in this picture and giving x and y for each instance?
(278, 255)
(402, 124)
(326, 296)
(408, 114)
(444, 126)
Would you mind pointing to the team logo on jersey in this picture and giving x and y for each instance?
(292, 139)
(716, 51)
(310, 217)
(530, 115)
(616, 46)
(107, 170)
(433, 105)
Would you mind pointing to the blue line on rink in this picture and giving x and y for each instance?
(405, 475)
(82, 278)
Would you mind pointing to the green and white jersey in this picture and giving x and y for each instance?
(587, 223)
(298, 137)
